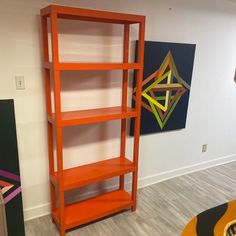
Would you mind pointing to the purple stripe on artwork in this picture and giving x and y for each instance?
(9, 175)
(12, 195)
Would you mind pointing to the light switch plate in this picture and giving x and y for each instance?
(20, 82)
(204, 147)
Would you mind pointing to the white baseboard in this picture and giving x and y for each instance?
(44, 209)
(153, 179)
(37, 211)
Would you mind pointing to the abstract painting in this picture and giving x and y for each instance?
(166, 86)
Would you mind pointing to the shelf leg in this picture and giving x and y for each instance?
(124, 98)
(59, 147)
(57, 104)
(49, 109)
(134, 190)
(138, 118)
(53, 197)
(51, 165)
(62, 232)
(61, 196)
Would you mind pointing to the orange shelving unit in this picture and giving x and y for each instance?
(62, 180)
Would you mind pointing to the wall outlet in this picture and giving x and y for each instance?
(204, 147)
(20, 82)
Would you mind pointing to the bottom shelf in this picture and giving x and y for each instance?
(94, 208)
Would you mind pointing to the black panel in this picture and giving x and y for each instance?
(9, 169)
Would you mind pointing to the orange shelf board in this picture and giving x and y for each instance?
(92, 66)
(94, 208)
(95, 172)
(92, 15)
(94, 115)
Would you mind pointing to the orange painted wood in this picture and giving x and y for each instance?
(71, 118)
(92, 66)
(92, 15)
(47, 65)
(94, 172)
(95, 208)
(58, 129)
(95, 66)
(138, 118)
(124, 96)
(45, 12)
(49, 109)
(83, 212)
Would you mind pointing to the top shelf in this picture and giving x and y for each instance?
(92, 66)
(91, 15)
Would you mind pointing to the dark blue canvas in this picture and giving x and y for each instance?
(164, 112)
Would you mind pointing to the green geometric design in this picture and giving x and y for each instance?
(161, 112)
(158, 118)
(167, 75)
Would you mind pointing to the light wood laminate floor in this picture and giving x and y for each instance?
(163, 208)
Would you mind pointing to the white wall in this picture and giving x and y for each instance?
(211, 115)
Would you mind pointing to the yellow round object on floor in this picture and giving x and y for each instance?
(217, 221)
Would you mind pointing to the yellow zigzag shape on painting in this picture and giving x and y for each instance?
(150, 99)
